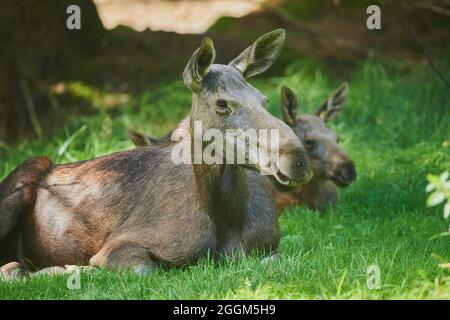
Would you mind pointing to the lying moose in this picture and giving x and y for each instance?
(330, 164)
(137, 209)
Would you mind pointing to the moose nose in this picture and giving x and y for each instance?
(294, 168)
(346, 173)
(302, 171)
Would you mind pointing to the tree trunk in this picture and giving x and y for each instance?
(36, 48)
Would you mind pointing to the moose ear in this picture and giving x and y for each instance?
(289, 104)
(198, 66)
(139, 139)
(334, 104)
(261, 54)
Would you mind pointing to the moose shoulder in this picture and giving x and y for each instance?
(138, 209)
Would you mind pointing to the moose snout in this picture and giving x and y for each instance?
(294, 168)
(344, 174)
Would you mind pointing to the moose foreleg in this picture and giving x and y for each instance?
(124, 256)
(13, 270)
(328, 196)
(275, 256)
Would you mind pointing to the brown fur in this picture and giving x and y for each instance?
(90, 212)
(17, 194)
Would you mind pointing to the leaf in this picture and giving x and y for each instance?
(431, 177)
(447, 210)
(444, 176)
(435, 198)
(444, 266)
(430, 187)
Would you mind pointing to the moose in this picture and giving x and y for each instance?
(138, 210)
(330, 164)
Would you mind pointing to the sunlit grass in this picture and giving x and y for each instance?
(395, 127)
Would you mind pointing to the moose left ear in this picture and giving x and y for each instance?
(334, 104)
(261, 54)
(139, 139)
(289, 105)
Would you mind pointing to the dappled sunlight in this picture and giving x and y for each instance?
(185, 16)
(96, 97)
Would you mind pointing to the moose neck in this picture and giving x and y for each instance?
(222, 190)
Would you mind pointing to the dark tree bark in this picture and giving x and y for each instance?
(35, 49)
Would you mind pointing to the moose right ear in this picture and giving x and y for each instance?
(334, 104)
(139, 139)
(289, 105)
(198, 66)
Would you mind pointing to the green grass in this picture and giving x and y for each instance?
(395, 128)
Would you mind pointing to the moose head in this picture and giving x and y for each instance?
(224, 100)
(328, 159)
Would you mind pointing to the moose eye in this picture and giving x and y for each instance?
(309, 144)
(222, 106)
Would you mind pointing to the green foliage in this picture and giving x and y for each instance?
(224, 23)
(303, 8)
(362, 4)
(439, 188)
(395, 127)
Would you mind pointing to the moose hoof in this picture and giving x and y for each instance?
(13, 270)
(272, 258)
(50, 271)
(73, 268)
(144, 269)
